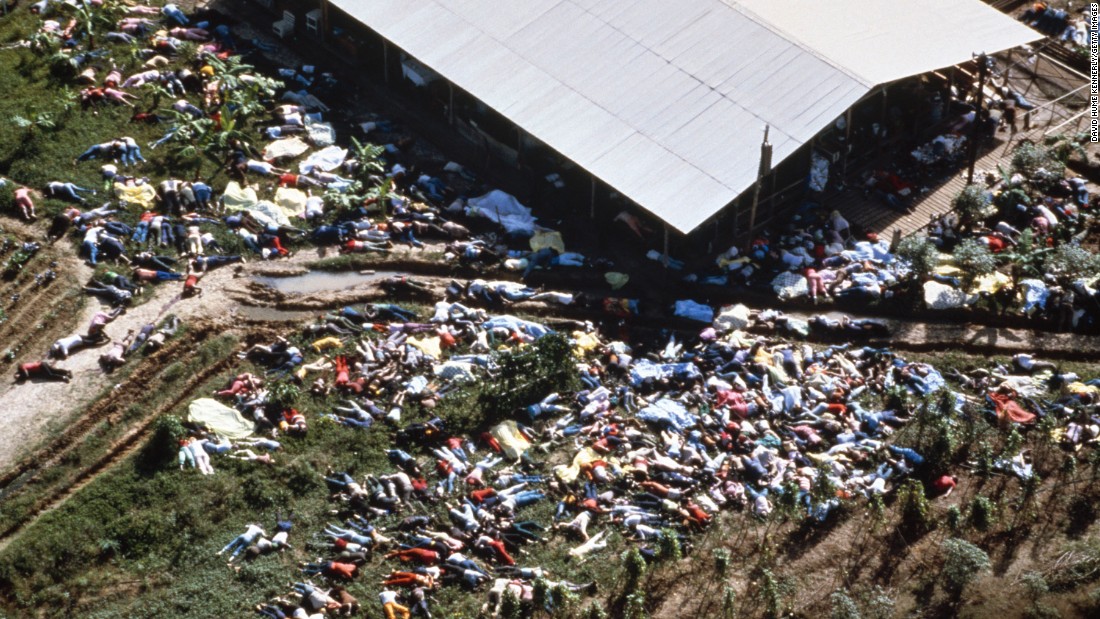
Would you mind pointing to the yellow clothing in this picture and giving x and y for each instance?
(327, 343)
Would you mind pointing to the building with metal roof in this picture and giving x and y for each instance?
(665, 100)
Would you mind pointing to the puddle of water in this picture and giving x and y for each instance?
(323, 281)
(272, 314)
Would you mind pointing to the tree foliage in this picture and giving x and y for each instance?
(972, 201)
(527, 375)
(915, 511)
(635, 569)
(919, 254)
(1037, 163)
(982, 513)
(962, 562)
(842, 606)
(974, 258)
(1070, 261)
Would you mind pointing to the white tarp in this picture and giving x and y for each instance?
(321, 134)
(286, 148)
(941, 296)
(221, 419)
(732, 318)
(504, 209)
(327, 159)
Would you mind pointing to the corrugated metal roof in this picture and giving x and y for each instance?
(666, 100)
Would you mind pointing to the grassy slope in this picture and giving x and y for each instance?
(140, 540)
(152, 532)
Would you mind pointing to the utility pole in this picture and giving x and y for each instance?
(765, 167)
(983, 68)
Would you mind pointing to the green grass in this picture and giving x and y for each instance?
(99, 438)
(348, 262)
(140, 540)
(147, 524)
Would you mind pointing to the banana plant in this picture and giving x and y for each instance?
(1026, 258)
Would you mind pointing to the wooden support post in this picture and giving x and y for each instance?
(451, 103)
(324, 21)
(847, 140)
(771, 192)
(664, 256)
(385, 61)
(592, 204)
(736, 218)
(983, 65)
(765, 166)
(885, 107)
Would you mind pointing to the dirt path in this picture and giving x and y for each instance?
(34, 409)
(912, 335)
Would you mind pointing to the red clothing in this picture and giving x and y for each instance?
(996, 244)
(943, 484)
(342, 376)
(279, 246)
(479, 496)
(498, 546)
(341, 570)
(419, 555)
(697, 514)
(1008, 410)
(31, 368)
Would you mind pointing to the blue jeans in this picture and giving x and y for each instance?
(131, 156)
(91, 153)
(950, 281)
(250, 243)
(238, 544)
(69, 190)
(141, 232)
(172, 12)
(92, 250)
(469, 565)
(527, 497)
(166, 236)
(910, 456)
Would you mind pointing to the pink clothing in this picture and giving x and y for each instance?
(816, 284)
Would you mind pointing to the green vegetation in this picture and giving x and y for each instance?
(1034, 161)
(123, 415)
(962, 563)
(140, 540)
(920, 254)
(975, 260)
(1070, 262)
(972, 202)
(522, 377)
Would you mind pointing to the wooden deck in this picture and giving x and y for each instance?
(873, 216)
